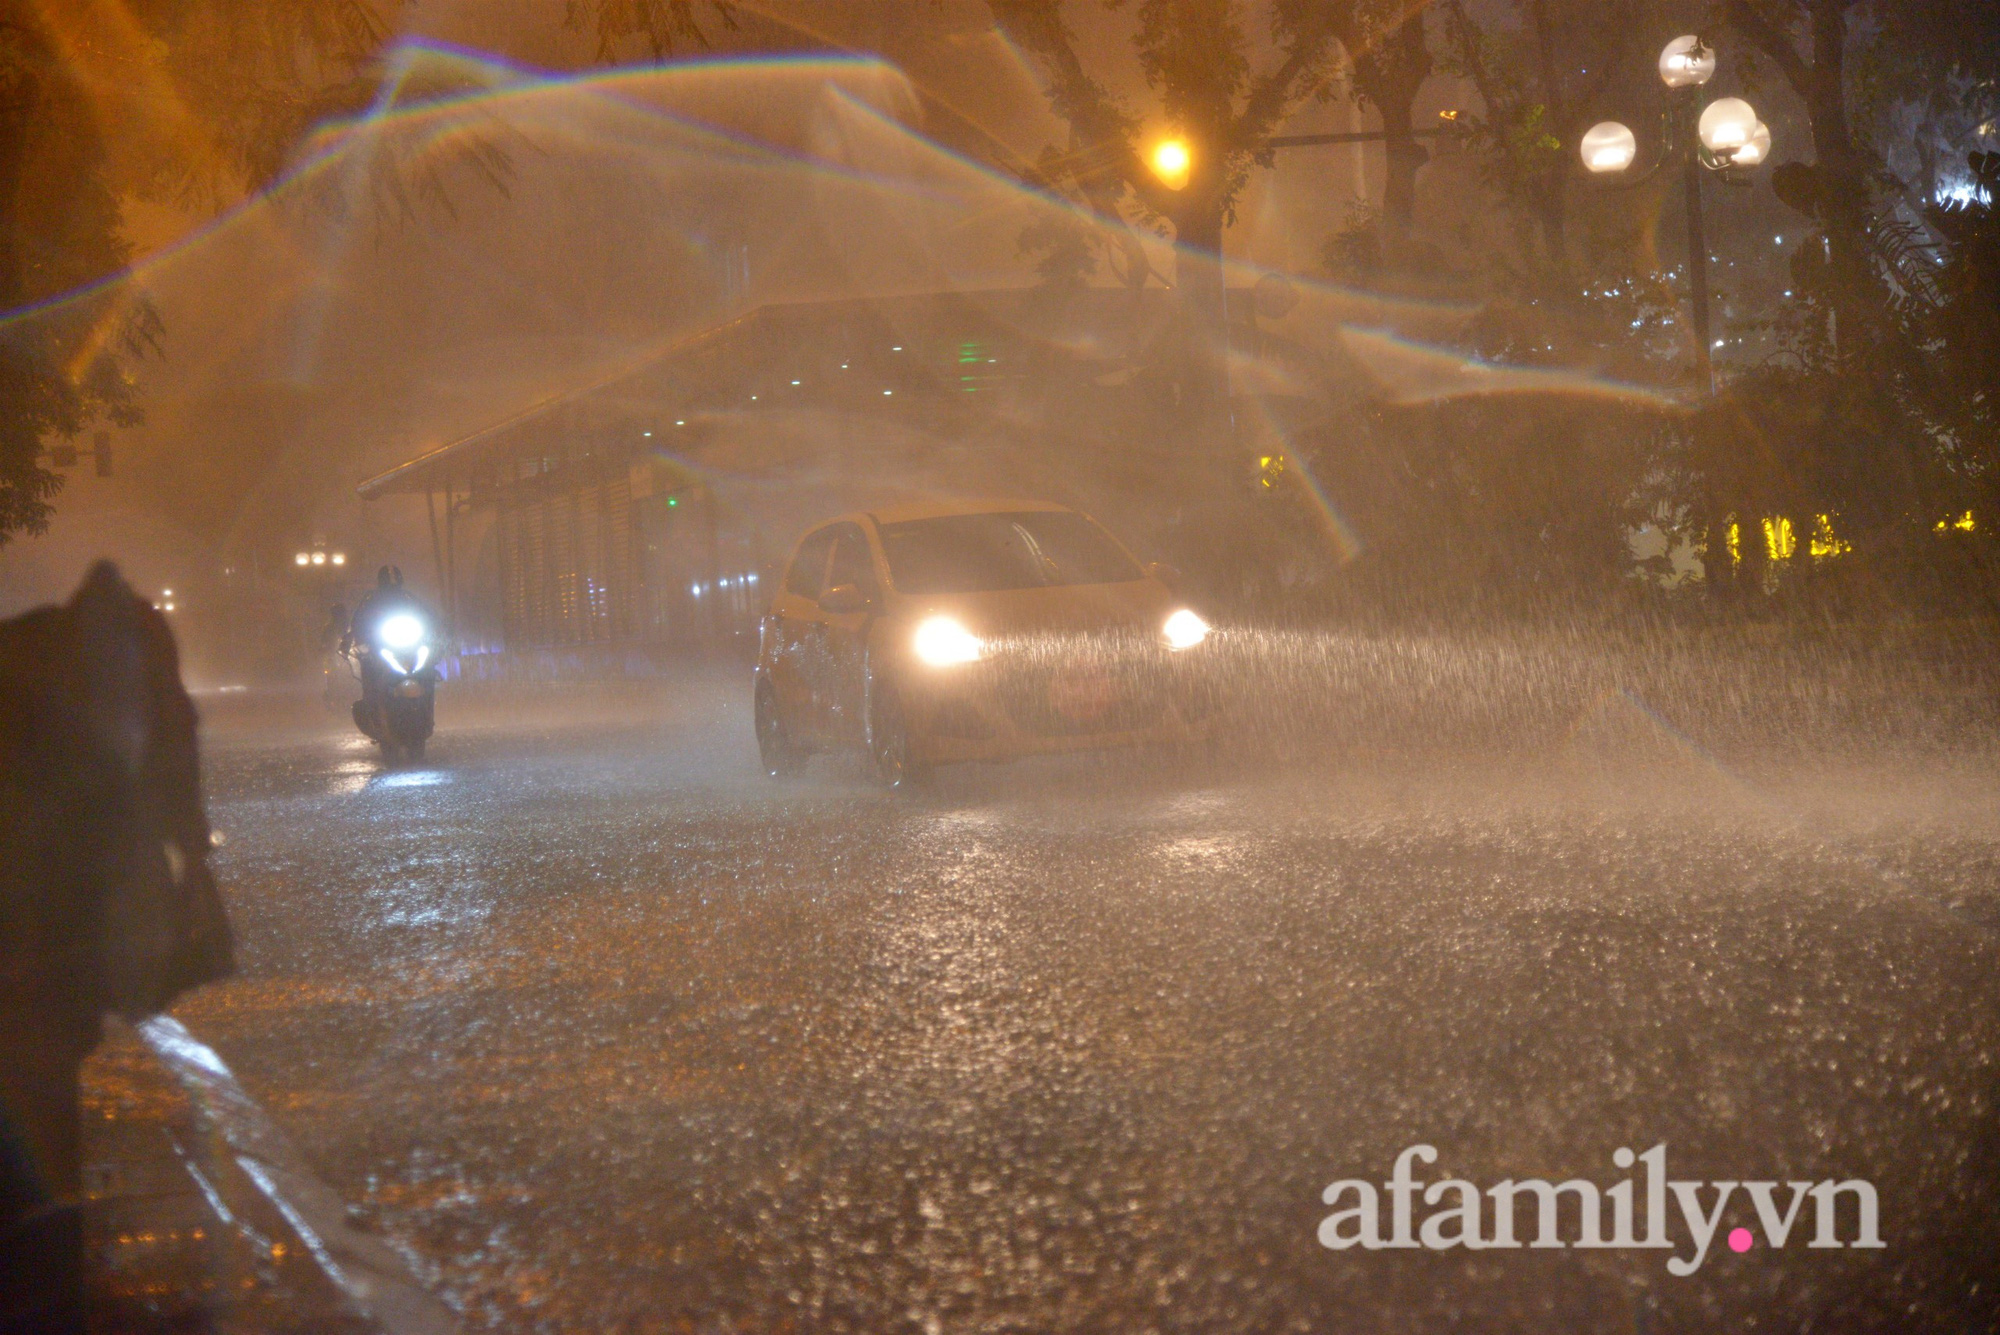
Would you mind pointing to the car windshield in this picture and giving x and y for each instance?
(990, 552)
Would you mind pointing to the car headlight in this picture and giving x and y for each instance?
(942, 642)
(401, 631)
(1184, 630)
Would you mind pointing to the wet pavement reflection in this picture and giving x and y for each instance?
(603, 1030)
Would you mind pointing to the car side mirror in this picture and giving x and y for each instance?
(1164, 573)
(843, 600)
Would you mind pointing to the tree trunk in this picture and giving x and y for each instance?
(1404, 156)
(25, 485)
(1203, 333)
(1391, 76)
(1552, 214)
(1843, 186)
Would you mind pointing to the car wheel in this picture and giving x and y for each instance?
(774, 749)
(896, 765)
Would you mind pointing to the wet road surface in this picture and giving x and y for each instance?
(604, 1031)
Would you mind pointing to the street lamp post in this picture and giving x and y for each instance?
(1704, 368)
(1171, 160)
(1723, 136)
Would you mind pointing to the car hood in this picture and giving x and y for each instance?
(1139, 605)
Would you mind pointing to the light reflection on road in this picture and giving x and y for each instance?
(607, 1030)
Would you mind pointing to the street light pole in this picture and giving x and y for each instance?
(1704, 371)
(1719, 573)
(1724, 136)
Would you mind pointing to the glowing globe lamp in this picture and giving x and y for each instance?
(1686, 63)
(1756, 150)
(1727, 125)
(1608, 147)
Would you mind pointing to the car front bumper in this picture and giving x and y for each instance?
(1008, 708)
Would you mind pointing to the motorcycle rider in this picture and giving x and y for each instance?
(388, 598)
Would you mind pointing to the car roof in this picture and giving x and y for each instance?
(908, 510)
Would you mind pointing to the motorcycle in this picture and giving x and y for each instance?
(397, 664)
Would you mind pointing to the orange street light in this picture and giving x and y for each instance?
(1171, 161)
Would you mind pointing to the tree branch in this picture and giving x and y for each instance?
(1103, 130)
(1273, 93)
(1769, 38)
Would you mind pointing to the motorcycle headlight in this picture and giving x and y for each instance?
(942, 642)
(1184, 630)
(401, 631)
(415, 666)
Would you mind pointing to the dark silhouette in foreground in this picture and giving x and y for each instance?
(106, 902)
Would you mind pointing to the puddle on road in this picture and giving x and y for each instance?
(411, 779)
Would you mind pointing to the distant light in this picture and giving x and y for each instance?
(673, 501)
(169, 607)
(340, 558)
(887, 392)
(897, 348)
(695, 589)
(303, 559)
(751, 577)
(319, 558)
(1720, 341)
(795, 382)
(753, 398)
(680, 421)
(166, 593)
(843, 366)
(1777, 241)
(647, 434)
